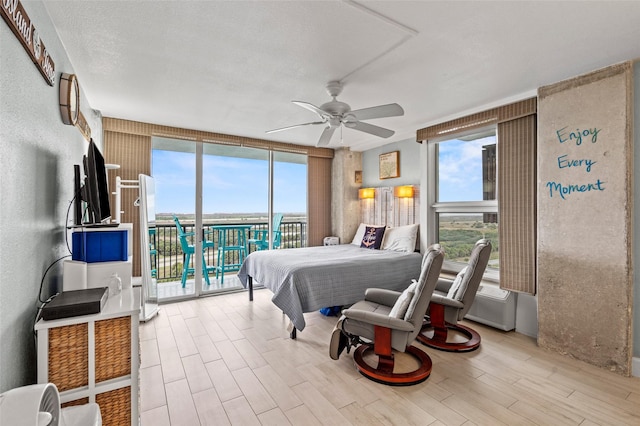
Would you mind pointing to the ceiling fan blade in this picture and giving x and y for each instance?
(294, 126)
(313, 108)
(325, 138)
(373, 130)
(380, 111)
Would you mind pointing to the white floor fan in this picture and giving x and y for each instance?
(334, 114)
(39, 405)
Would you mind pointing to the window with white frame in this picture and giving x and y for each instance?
(462, 196)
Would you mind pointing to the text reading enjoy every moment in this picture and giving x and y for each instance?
(565, 162)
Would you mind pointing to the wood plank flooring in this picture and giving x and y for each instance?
(223, 360)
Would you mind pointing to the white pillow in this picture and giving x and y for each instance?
(456, 291)
(401, 238)
(357, 239)
(400, 307)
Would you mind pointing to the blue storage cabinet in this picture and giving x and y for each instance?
(100, 246)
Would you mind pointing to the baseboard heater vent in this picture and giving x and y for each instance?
(494, 307)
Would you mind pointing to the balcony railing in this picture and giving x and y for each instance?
(168, 262)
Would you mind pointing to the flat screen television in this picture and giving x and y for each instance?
(95, 191)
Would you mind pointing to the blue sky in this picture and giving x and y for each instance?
(239, 185)
(460, 169)
(230, 184)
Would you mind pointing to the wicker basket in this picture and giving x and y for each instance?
(80, 401)
(113, 348)
(115, 406)
(68, 356)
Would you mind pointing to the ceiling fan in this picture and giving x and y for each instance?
(334, 113)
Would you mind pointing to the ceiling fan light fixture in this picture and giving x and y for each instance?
(350, 121)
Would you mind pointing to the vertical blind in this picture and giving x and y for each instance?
(517, 203)
(516, 185)
(319, 196)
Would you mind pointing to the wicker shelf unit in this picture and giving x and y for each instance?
(95, 358)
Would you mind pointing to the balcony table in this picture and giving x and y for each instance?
(223, 247)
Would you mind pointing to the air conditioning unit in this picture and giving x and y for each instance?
(331, 241)
(494, 307)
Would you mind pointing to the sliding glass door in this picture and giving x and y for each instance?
(223, 197)
(173, 168)
(290, 197)
(235, 200)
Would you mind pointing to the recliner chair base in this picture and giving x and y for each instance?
(441, 330)
(383, 373)
(439, 338)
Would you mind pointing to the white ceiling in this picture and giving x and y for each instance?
(235, 66)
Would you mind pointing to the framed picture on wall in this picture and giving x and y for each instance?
(358, 176)
(389, 165)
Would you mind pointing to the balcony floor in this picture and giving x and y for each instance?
(173, 290)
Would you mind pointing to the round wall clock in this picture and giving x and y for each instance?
(69, 99)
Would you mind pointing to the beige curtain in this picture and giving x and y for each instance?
(319, 196)
(133, 154)
(480, 119)
(517, 204)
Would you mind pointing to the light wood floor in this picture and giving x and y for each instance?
(224, 360)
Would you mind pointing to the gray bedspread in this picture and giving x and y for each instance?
(307, 279)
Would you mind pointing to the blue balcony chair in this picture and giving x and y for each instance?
(153, 252)
(261, 236)
(189, 249)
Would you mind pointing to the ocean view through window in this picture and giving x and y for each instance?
(464, 202)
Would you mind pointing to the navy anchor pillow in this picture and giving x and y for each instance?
(373, 237)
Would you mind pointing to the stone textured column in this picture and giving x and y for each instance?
(345, 206)
(585, 245)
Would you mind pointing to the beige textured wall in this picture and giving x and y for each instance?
(345, 207)
(584, 240)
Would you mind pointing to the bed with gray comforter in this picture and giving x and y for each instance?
(307, 279)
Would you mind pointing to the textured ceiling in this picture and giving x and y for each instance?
(235, 66)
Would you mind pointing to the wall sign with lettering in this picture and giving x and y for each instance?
(575, 159)
(83, 126)
(15, 16)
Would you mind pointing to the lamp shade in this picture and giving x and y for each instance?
(403, 191)
(366, 193)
